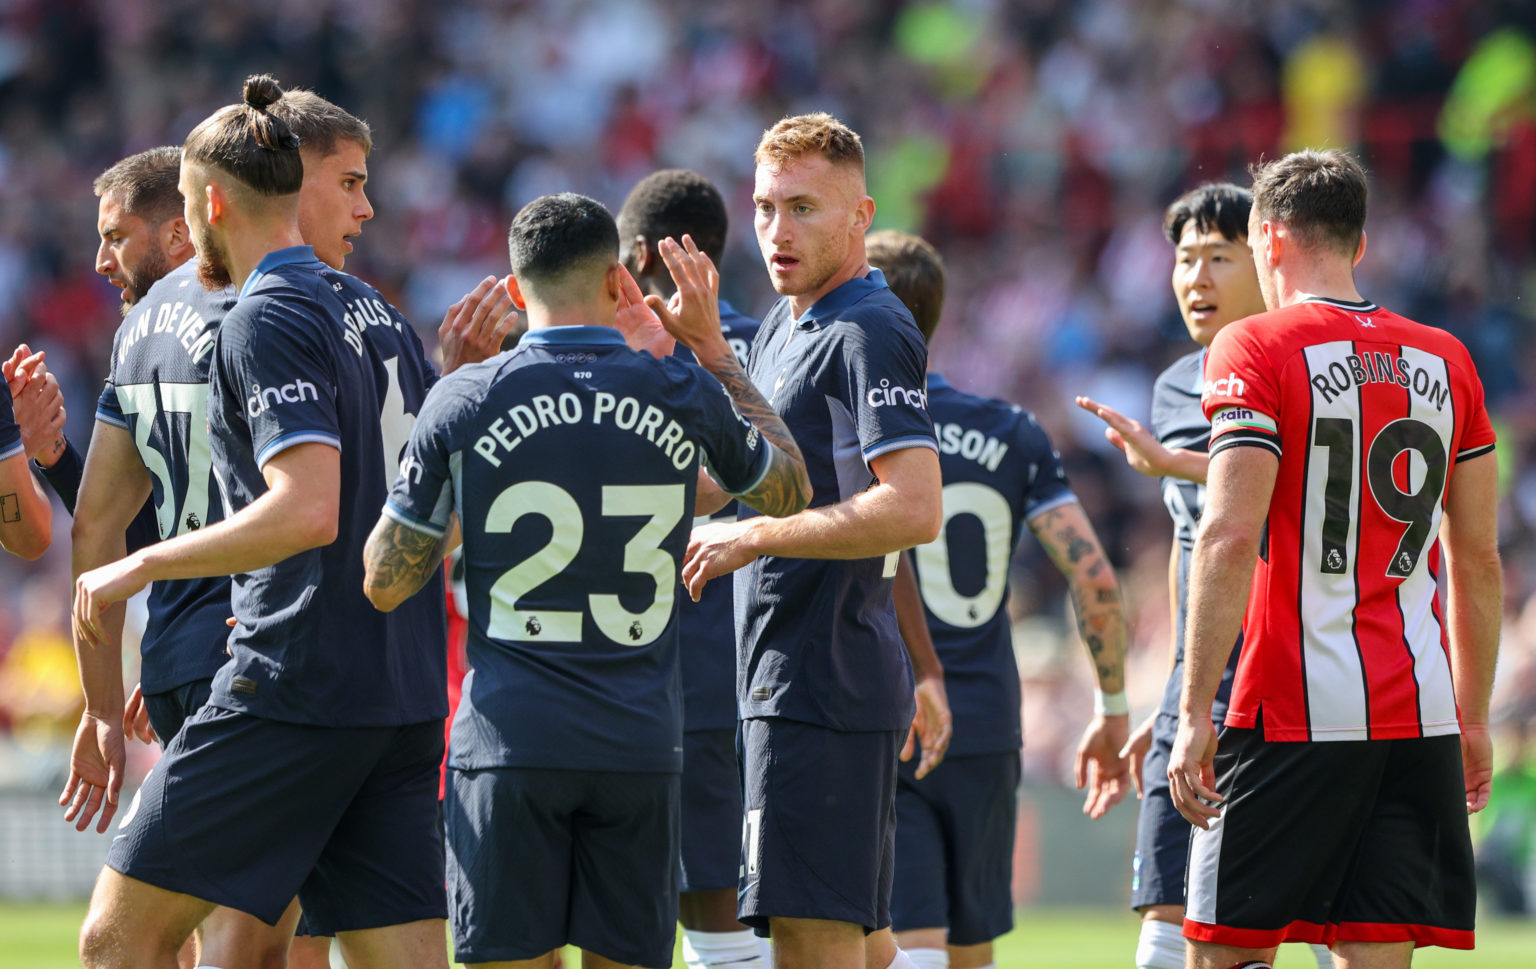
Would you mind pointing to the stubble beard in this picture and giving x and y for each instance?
(212, 261)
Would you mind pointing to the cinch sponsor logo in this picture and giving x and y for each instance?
(263, 399)
(1229, 386)
(885, 394)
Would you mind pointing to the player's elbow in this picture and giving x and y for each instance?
(384, 598)
(314, 527)
(922, 520)
(30, 543)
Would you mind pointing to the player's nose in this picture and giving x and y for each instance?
(105, 264)
(364, 210)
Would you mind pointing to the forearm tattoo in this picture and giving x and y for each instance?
(784, 489)
(10, 508)
(1100, 614)
(401, 559)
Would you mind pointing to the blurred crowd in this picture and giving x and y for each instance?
(1035, 142)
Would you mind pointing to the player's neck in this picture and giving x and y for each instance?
(856, 266)
(1310, 282)
(548, 317)
(245, 250)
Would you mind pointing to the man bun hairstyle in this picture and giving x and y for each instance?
(320, 124)
(145, 184)
(672, 202)
(1219, 206)
(807, 134)
(556, 236)
(249, 142)
(914, 270)
(1319, 195)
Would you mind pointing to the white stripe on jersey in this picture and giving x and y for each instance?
(1336, 689)
(1204, 866)
(1421, 630)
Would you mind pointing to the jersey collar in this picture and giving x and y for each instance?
(1363, 306)
(273, 259)
(565, 335)
(841, 298)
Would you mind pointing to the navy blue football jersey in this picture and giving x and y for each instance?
(817, 638)
(573, 463)
(307, 355)
(1000, 471)
(157, 391)
(10, 433)
(707, 628)
(1178, 422)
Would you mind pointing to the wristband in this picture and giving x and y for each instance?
(1110, 704)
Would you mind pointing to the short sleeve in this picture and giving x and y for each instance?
(422, 495)
(1478, 437)
(1047, 487)
(10, 433)
(735, 452)
(109, 409)
(280, 375)
(1241, 397)
(885, 369)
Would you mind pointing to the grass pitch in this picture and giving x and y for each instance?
(42, 936)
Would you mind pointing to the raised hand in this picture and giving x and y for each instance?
(638, 322)
(473, 328)
(693, 315)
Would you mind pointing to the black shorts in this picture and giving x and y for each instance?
(247, 813)
(1353, 841)
(169, 710)
(711, 811)
(954, 847)
(1162, 834)
(820, 826)
(540, 858)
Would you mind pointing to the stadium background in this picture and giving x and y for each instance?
(1035, 142)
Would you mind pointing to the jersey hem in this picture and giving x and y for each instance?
(1354, 732)
(109, 418)
(19, 448)
(1328, 934)
(761, 474)
(1051, 504)
(1475, 452)
(898, 444)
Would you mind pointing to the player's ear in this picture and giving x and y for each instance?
(864, 215)
(516, 292)
(1360, 249)
(216, 201)
(613, 281)
(176, 239)
(643, 255)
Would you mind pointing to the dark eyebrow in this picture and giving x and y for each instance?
(360, 176)
(109, 230)
(1221, 243)
(789, 201)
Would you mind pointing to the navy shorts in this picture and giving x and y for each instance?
(540, 858)
(169, 710)
(1337, 841)
(1162, 834)
(247, 813)
(820, 827)
(711, 811)
(954, 847)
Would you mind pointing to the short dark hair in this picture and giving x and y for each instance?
(145, 184)
(1319, 195)
(1215, 205)
(250, 143)
(320, 124)
(672, 202)
(914, 270)
(555, 235)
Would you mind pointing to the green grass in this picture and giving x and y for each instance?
(42, 936)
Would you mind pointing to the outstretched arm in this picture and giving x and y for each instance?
(1069, 539)
(1144, 452)
(1470, 535)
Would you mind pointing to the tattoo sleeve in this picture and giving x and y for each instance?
(398, 560)
(1069, 540)
(785, 489)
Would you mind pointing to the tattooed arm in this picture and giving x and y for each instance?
(398, 560)
(26, 515)
(786, 488)
(1069, 539)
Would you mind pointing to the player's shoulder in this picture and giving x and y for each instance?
(734, 323)
(1182, 376)
(1423, 336)
(992, 415)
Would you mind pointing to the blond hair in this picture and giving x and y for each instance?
(806, 134)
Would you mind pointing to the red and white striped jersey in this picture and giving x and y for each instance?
(1369, 413)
